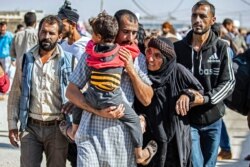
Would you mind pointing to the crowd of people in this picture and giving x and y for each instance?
(123, 97)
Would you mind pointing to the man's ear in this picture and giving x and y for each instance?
(60, 37)
(213, 20)
(74, 25)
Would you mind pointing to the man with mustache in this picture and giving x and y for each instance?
(38, 99)
(101, 141)
(74, 43)
(206, 56)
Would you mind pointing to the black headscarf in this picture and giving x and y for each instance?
(166, 47)
(165, 125)
(164, 89)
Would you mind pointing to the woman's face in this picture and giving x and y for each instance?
(154, 59)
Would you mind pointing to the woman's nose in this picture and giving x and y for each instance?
(150, 57)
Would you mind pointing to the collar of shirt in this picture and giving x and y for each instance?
(36, 55)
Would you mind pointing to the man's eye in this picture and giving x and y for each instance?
(125, 31)
(134, 32)
(194, 15)
(203, 16)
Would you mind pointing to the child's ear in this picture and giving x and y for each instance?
(99, 37)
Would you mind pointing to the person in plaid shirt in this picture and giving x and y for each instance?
(102, 140)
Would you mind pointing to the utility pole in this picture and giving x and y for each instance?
(240, 19)
(101, 6)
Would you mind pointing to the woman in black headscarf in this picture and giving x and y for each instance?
(170, 80)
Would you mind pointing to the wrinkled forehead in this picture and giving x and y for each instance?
(129, 23)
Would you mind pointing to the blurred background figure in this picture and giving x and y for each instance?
(248, 39)
(168, 31)
(81, 27)
(229, 26)
(24, 40)
(239, 39)
(5, 45)
(19, 27)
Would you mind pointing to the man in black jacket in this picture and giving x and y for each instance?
(206, 56)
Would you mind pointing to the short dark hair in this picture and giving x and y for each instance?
(132, 17)
(30, 18)
(206, 3)
(3, 23)
(52, 19)
(227, 21)
(105, 25)
(19, 27)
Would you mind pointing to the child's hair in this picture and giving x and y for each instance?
(105, 25)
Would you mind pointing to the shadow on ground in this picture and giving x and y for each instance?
(7, 146)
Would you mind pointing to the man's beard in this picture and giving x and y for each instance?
(67, 34)
(47, 45)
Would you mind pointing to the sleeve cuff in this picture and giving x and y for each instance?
(206, 99)
(12, 125)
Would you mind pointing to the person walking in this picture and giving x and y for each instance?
(101, 141)
(75, 44)
(24, 40)
(172, 83)
(206, 56)
(6, 38)
(37, 101)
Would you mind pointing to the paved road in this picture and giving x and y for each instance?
(9, 155)
(240, 140)
(236, 124)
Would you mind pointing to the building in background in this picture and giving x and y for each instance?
(13, 18)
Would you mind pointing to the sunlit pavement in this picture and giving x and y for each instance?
(236, 125)
(239, 138)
